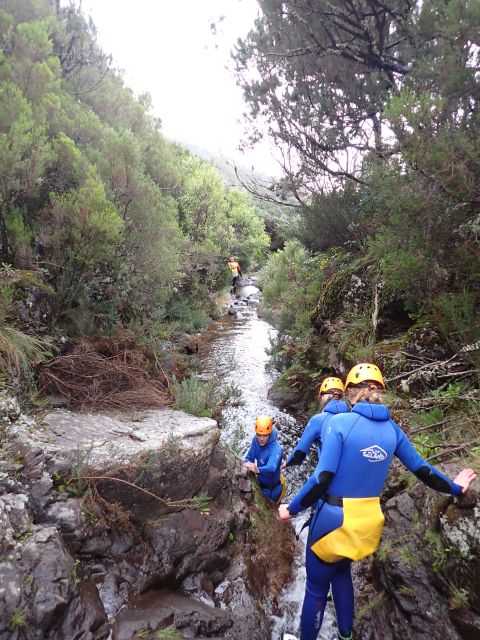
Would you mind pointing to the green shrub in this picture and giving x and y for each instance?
(457, 317)
(357, 338)
(20, 352)
(194, 396)
(189, 315)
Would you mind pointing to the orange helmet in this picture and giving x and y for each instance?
(331, 383)
(263, 426)
(364, 372)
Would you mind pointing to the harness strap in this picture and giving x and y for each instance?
(305, 525)
(335, 501)
(268, 486)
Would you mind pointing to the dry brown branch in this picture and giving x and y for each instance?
(453, 449)
(405, 374)
(457, 374)
(175, 504)
(427, 427)
(90, 377)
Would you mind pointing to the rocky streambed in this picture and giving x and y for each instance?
(98, 559)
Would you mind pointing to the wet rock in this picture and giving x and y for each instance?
(49, 566)
(164, 608)
(10, 593)
(429, 553)
(126, 542)
(85, 618)
(467, 623)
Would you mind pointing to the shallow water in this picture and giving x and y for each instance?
(237, 349)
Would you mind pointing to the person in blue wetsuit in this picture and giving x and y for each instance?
(358, 448)
(264, 459)
(330, 394)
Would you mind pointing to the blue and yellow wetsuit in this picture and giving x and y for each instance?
(358, 448)
(314, 430)
(268, 459)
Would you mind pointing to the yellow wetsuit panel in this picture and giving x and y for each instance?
(284, 487)
(359, 535)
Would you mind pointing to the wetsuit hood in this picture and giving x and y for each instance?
(336, 406)
(271, 440)
(372, 411)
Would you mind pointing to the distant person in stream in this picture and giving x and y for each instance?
(330, 395)
(235, 271)
(357, 450)
(264, 459)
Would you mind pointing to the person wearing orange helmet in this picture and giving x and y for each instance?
(330, 395)
(358, 448)
(235, 271)
(264, 458)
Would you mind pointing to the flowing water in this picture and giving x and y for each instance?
(236, 347)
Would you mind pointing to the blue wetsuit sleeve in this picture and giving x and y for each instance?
(414, 462)
(296, 457)
(250, 456)
(332, 445)
(324, 472)
(273, 460)
(311, 433)
(311, 491)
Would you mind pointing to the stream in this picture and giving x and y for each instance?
(236, 347)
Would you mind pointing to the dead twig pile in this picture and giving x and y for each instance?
(91, 380)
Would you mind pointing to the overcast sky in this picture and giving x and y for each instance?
(167, 47)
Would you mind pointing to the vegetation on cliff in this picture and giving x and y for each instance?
(376, 106)
(124, 228)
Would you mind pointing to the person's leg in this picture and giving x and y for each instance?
(318, 582)
(343, 598)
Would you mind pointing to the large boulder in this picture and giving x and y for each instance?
(102, 513)
(423, 582)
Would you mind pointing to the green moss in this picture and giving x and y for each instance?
(23, 278)
(18, 618)
(374, 603)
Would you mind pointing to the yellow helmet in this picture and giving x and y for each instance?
(231, 259)
(364, 372)
(263, 425)
(331, 383)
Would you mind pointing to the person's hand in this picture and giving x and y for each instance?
(251, 466)
(283, 512)
(284, 465)
(465, 478)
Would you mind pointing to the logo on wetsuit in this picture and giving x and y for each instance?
(374, 453)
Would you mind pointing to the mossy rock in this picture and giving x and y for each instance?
(389, 356)
(347, 288)
(284, 395)
(23, 279)
(26, 299)
(424, 339)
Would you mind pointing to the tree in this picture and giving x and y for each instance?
(24, 154)
(319, 74)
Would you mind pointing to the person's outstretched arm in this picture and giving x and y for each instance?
(311, 433)
(319, 481)
(428, 474)
(251, 454)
